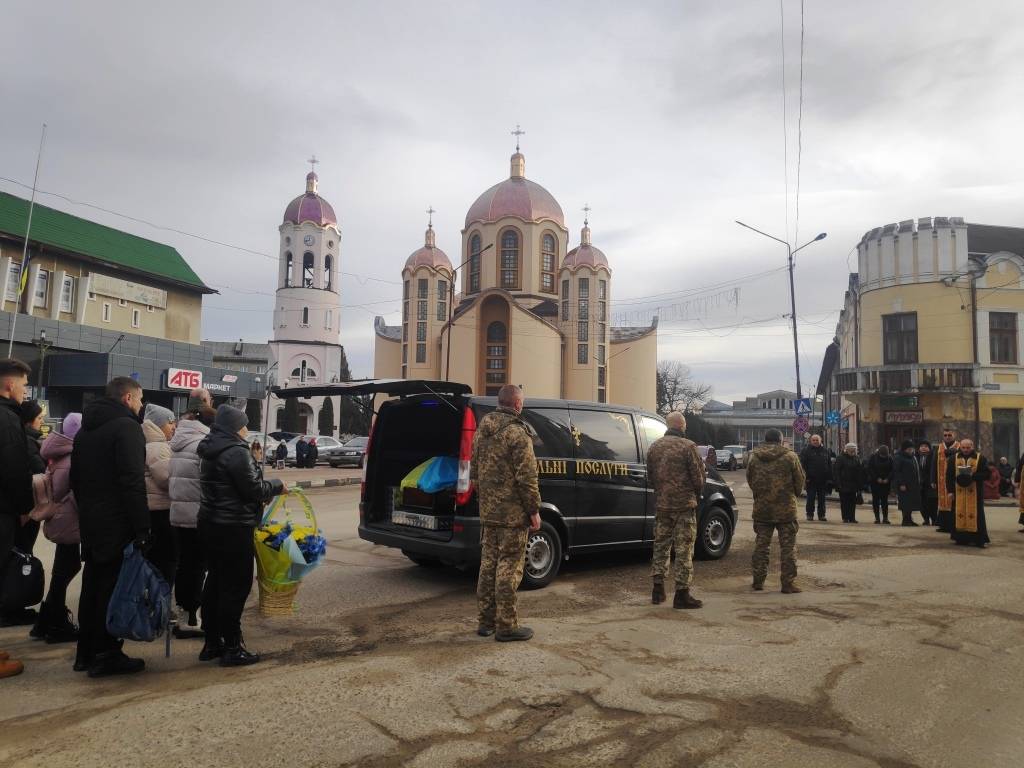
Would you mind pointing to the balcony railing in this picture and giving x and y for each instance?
(919, 377)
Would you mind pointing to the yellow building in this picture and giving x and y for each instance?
(928, 337)
(529, 311)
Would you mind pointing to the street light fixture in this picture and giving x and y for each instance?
(451, 305)
(44, 344)
(792, 291)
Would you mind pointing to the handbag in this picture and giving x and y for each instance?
(23, 582)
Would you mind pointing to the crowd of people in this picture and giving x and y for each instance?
(189, 492)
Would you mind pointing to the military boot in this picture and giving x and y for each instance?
(658, 593)
(791, 589)
(511, 635)
(684, 599)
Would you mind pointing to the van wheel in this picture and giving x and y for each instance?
(422, 560)
(543, 557)
(714, 536)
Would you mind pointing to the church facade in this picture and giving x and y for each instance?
(521, 307)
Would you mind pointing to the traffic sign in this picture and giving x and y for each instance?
(800, 425)
(832, 419)
(802, 407)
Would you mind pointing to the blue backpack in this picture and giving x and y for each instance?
(140, 607)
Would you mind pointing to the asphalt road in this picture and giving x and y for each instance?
(903, 651)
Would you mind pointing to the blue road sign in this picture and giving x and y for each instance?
(802, 407)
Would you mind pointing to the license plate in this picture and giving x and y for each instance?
(414, 520)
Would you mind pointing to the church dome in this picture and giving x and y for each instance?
(429, 255)
(310, 207)
(585, 254)
(518, 197)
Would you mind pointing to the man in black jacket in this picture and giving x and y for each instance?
(108, 470)
(15, 483)
(817, 464)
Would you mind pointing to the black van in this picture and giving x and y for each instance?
(590, 457)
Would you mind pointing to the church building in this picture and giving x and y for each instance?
(527, 308)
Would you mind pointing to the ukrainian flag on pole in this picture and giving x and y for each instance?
(24, 273)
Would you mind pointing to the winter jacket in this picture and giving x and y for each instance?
(56, 452)
(232, 487)
(676, 471)
(15, 474)
(504, 470)
(34, 439)
(880, 467)
(817, 464)
(906, 481)
(158, 467)
(282, 451)
(108, 476)
(776, 478)
(849, 474)
(184, 486)
(301, 451)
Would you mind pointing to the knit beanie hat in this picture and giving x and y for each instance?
(158, 414)
(194, 404)
(230, 418)
(72, 423)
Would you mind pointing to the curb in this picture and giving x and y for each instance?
(332, 482)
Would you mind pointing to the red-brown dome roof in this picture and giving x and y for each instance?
(585, 256)
(518, 197)
(429, 255)
(310, 207)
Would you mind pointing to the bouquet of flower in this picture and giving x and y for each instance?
(288, 546)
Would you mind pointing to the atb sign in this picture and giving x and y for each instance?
(182, 378)
(802, 407)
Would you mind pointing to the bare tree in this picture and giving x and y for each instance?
(676, 390)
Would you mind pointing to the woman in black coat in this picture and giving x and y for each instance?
(850, 477)
(233, 493)
(906, 477)
(879, 469)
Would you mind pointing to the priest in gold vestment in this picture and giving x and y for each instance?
(966, 473)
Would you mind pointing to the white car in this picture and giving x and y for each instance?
(739, 452)
(326, 447)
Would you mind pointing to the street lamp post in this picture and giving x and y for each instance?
(44, 344)
(792, 291)
(451, 306)
(266, 417)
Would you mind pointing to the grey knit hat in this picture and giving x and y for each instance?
(230, 418)
(158, 414)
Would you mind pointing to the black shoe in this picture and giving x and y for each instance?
(484, 631)
(115, 663)
(511, 635)
(21, 618)
(187, 633)
(658, 593)
(81, 666)
(909, 524)
(757, 586)
(877, 521)
(810, 518)
(886, 522)
(683, 599)
(822, 520)
(211, 650)
(63, 631)
(238, 656)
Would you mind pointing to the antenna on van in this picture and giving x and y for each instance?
(442, 398)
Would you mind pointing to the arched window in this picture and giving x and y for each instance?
(474, 263)
(305, 315)
(327, 272)
(509, 265)
(296, 373)
(307, 270)
(288, 267)
(547, 262)
(496, 360)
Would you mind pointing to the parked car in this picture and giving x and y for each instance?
(738, 451)
(351, 453)
(593, 478)
(327, 448)
(725, 459)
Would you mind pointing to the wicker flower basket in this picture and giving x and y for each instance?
(277, 599)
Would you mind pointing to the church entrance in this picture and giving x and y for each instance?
(494, 345)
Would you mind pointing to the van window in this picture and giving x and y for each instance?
(549, 429)
(604, 436)
(652, 429)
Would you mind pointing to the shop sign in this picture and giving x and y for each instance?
(230, 378)
(902, 401)
(218, 387)
(904, 417)
(182, 378)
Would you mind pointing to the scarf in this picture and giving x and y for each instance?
(967, 498)
(945, 496)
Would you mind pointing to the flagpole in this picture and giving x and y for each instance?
(24, 251)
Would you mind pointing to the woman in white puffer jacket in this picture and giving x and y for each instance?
(158, 427)
(185, 495)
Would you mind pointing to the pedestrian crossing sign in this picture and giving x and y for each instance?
(802, 407)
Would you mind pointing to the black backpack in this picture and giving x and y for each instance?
(22, 582)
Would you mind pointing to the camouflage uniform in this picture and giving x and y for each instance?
(504, 470)
(676, 471)
(775, 478)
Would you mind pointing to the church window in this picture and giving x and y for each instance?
(510, 259)
(496, 363)
(602, 289)
(421, 331)
(328, 319)
(421, 353)
(496, 351)
(602, 376)
(442, 300)
(474, 263)
(584, 299)
(600, 354)
(583, 332)
(584, 287)
(289, 267)
(405, 332)
(565, 299)
(328, 262)
(602, 396)
(307, 270)
(582, 354)
(296, 372)
(421, 310)
(547, 263)
(405, 290)
(496, 331)
(405, 356)
(495, 378)
(422, 287)
(305, 316)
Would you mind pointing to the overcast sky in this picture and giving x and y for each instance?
(665, 117)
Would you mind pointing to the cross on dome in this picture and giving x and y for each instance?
(586, 213)
(312, 163)
(430, 213)
(517, 133)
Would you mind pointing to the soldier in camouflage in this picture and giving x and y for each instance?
(775, 478)
(676, 471)
(504, 471)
